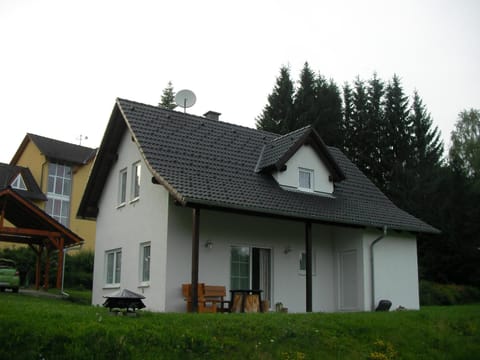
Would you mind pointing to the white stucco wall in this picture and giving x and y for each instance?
(306, 158)
(127, 227)
(395, 270)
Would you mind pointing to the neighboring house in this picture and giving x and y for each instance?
(61, 169)
(21, 180)
(183, 199)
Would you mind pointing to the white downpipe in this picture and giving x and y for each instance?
(372, 263)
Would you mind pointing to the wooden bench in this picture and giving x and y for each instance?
(210, 298)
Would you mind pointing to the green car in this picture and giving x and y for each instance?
(9, 275)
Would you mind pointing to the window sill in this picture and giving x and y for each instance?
(112, 286)
(119, 206)
(144, 285)
(134, 200)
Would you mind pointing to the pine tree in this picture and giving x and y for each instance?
(375, 129)
(277, 114)
(167, 101)
(328, 111)
(304, 102)
(427, 144)
(360, 136)
(398, 135)
(347, 125)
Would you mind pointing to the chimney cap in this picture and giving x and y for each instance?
(212, 115)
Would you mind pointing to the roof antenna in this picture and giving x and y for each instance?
(80, 138)
(185, 99)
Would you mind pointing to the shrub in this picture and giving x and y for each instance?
(447, 294)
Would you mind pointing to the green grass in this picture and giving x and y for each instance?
(40, 328)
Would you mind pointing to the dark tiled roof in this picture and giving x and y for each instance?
(212, 163)
(8, 173)
(273, 151)
(62, 151)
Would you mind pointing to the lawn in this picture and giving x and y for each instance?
(40, 328)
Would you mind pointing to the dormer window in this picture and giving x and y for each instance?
(305, 179)
(18, 183)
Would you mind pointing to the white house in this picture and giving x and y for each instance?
(185, 199)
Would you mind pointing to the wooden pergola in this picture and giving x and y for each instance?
(34, 227)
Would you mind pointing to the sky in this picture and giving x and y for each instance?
(63, 63)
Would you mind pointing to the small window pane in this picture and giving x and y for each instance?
(305, 179)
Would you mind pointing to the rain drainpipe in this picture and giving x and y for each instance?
(372, 263)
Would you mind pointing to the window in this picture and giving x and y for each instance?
(305, 179)
(303, 263)
(240, 267)
(18, 183)
(58, 192)
(136, 180)
(122, 187)
(113, 266)
(145, 262)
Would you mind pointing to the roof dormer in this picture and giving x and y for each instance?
(300, 161)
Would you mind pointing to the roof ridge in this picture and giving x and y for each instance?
(202, 118)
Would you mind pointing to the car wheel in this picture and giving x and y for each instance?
(2, 289)
(15, 290)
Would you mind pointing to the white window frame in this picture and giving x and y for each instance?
(60, 199)
(115, 268)
(19, 183)
(136, 180)
(145, 262)
(302, 263)
(122, 187)
(310, 173)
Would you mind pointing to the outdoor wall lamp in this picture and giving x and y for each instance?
(209, 244)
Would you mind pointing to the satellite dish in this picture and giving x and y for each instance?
(185, 99)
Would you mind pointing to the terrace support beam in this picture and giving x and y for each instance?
(61, 254)
(195, 256)
(308, 253)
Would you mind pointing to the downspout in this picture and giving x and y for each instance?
(372, 264)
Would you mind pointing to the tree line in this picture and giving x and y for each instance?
(390, 136)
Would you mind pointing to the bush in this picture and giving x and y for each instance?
(78, 267)
(447, 294)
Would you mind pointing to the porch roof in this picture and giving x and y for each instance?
(204, 162)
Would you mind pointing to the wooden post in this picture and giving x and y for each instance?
(47, 269)
(60, 263)
(38, 268)
(308, 251)
(195, 250)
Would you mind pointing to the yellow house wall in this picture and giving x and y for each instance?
(32, 158)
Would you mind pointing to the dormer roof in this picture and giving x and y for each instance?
(212, 164)
(278, 151)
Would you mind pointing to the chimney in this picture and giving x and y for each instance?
(212, 115)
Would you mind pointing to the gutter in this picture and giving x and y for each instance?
(372, 263)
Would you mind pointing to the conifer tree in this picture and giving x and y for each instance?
(167, 101)
(277, 114)
(304, 102)
(347, 126)
(328, 110)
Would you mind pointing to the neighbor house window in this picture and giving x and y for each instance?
(303, 263)
(305, 179)
(113, 266)
(240, 267)
(145, 262)
(58, 192)
(18, 183)
(122, 187)
(136, 171)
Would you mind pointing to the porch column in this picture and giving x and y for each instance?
(195, 249)
(47, 268)
(308, 253)
(60, 262)
(38, 267)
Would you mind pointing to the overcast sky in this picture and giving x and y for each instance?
(63, 63)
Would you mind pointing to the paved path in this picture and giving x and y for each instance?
(40, 293)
